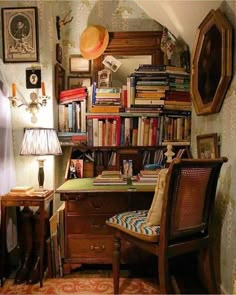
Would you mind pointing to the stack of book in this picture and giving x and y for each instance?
(178, 95)
(150, 85)
(70, 95)
(147, 177)
(106, 100)
(110, 177)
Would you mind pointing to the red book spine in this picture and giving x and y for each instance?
(154, 131)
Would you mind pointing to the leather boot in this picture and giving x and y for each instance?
(34, 275)
(25, 244)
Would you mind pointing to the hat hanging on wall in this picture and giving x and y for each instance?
(93, 41)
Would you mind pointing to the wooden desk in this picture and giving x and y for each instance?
(33, 198)
(87, 237)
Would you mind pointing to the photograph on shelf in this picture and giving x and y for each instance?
(104, 78)
(20, 34)
(76, 168)
(207, 146)
(76, 82)
(79, 64)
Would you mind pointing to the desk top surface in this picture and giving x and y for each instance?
(86, 185)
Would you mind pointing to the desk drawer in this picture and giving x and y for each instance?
(90, 224)
(90, 247)
(91, 204)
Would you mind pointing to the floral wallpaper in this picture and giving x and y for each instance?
(224, 124)
(125, 15)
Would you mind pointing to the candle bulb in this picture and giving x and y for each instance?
(43, 89)
(13, 89)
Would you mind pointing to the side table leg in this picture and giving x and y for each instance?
(42, 227)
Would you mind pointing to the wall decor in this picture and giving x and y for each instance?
(104, 78)
(211, 66)
(58, 53)
(207, 146)
(79, 64)
(75, 82)
(33, 78)
(20, 34)
(59, 80)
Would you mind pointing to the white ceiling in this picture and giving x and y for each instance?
(182, 18)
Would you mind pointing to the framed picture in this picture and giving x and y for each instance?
(211, 69)
(104, 78)
(207, 146)
(59, 80)
(79, 64)
(33, 78)
(20, 34)
(75, 82)
(58, 53)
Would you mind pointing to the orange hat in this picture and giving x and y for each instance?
(93, 41)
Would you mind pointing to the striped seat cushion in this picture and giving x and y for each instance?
(134, 223)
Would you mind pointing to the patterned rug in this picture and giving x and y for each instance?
(65, 286)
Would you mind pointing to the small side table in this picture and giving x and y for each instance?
(33, 198)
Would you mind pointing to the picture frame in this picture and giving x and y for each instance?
(20, 34)
(207, 146)
(75, 82)
(79, 64)
(59, 80)
(104, 78)
(211, 64)
(58, 53)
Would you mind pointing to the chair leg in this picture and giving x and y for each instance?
(207, 271)
(116, 264)
(163, 269)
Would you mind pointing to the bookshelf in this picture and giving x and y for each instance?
(135, 121)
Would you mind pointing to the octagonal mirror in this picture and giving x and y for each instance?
(211, 65)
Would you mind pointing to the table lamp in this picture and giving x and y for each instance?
(40, 142)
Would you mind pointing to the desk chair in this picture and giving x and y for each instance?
(178, 220)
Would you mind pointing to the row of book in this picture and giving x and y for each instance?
(72, 116)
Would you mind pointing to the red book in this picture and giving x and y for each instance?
(72, 92)
(69, 99)
(154, 131)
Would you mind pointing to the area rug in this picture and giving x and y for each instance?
(65, 286)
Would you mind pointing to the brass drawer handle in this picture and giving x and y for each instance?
(94, 205)
(97, 248)
(98, 225)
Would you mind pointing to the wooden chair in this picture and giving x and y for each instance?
(185, 201)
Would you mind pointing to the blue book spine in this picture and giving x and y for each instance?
(70, 116)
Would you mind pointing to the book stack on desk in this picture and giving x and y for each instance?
(109, 178)
(147, 177)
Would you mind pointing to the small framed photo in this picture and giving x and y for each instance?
(59, 80)
(75, 82)
(58, 53)
(104, 78)
(33, 78)
(79, 64)
(207, 146)
(76, 168)
(111, 63)
(20, 34)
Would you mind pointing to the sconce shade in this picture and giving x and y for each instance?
(40, 141)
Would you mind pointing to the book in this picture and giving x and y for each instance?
(21, 189)
(105, 109)
(145, 101)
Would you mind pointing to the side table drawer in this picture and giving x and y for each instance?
(90, 224)
(90, 247)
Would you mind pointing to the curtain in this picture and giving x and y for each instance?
(7, 164)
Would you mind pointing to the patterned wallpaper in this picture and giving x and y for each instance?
(224, 124)
(125, 15)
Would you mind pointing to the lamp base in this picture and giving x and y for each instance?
(41, 174)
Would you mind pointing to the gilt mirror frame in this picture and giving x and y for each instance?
(211, 64)
(131, 43)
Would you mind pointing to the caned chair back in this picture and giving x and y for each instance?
(189, 198)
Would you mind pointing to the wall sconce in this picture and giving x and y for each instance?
(35, 103)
